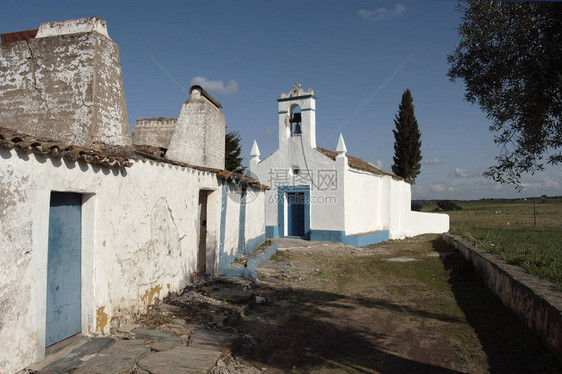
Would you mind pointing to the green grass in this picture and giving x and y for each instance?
(261, 248)
(507, 229)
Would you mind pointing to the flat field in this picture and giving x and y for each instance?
(507, 229)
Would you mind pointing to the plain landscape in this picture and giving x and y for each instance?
(526, 232)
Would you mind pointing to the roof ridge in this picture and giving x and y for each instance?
(26, 143)
(360, 164)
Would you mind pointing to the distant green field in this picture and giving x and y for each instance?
(507, 229)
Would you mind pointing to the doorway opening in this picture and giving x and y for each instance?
(202, 223)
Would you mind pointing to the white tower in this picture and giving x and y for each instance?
(297, 117)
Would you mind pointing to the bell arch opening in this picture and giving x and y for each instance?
(295, 120)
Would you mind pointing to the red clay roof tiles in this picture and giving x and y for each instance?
(25, 143)
(357, 163)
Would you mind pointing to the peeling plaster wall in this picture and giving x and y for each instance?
(232, 215)
(244, 227)
(139, 242)
(199, 135)
(16, 283)
(65, 87)
(255, 220)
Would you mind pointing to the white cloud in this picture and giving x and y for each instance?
(267, 132)
(399, 9)
(541, 183)
(437, 187)
(379, 164)
(476, 186)
(216, 86)
(461, 173)
(551, 183)
(381, 13)
(434, 161)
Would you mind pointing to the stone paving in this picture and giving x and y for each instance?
(171, 347)
(172, 342)
(141, 351)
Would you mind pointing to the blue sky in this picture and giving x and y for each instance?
(358, 56)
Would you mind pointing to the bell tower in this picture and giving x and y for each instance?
(297, 117)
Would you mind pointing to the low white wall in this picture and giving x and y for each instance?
(427, 223)
(139, 241)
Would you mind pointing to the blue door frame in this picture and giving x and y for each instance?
(296, 209)
(63, 317)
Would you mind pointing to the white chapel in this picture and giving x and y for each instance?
(318, 194)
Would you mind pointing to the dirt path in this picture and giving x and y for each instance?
(409, 306)
(397, 307)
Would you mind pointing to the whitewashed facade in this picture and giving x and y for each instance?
(323, 195)
(146, 224)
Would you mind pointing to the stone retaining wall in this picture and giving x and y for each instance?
(535, 301)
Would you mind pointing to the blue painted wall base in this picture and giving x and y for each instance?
(336, 236)
(367, 239)
(356, 240)
(272, 231)
(251, 269)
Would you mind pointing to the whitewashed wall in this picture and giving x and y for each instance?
(139, 242)
(326, 203)
(255, 221)
(363, 202)
(427, 223)
(232, 221)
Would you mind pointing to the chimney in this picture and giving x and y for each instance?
(198, 138)
(64, 83)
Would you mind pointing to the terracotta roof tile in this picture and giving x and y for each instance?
(359, 164)
(107, 156)
(158, 154)
(25, 143)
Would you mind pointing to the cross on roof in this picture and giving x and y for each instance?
(296, 86)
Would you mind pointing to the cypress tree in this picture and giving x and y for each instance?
(233, 161)
(407, 143)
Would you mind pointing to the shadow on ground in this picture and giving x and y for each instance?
(308, 335)
(509, 345)
(302, 330)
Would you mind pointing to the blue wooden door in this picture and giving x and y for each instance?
(63, 267)
(295, 212)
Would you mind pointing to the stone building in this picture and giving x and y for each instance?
(94, 229)
(155, 131)
(199, 121)
(319, 194)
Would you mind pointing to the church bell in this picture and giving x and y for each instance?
(297, 121)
